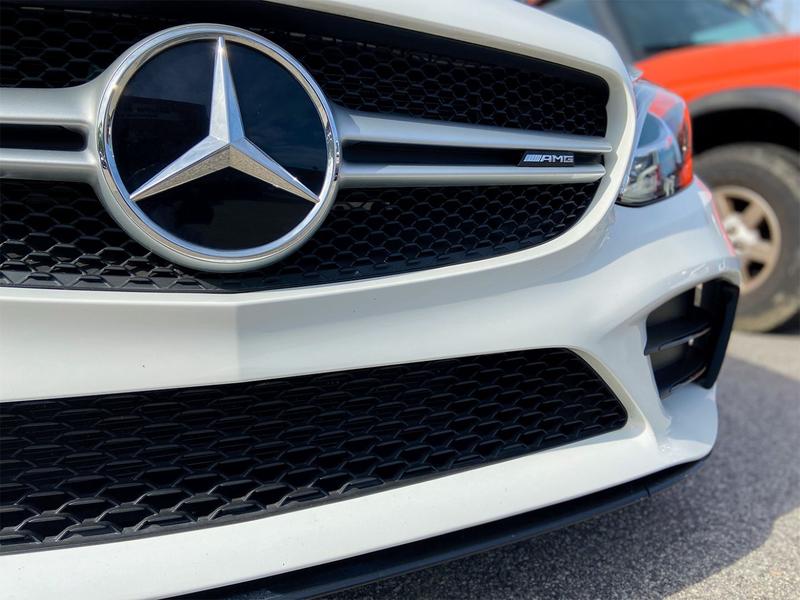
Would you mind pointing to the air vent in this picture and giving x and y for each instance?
(687, 336)
(40, 137)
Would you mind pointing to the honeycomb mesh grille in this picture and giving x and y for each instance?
(57, 48)
(111, 466)
(60, 235)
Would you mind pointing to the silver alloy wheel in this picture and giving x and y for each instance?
(753, 229)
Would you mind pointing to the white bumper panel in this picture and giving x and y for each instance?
(183, 562)
(591, 296)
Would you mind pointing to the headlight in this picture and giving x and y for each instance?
(662, 160)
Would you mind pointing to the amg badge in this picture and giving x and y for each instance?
(547, 159)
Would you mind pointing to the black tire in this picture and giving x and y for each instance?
(774, 173)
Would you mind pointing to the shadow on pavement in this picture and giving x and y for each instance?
(657, 547)
(791, 327)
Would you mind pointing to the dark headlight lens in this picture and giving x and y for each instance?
(662, 160)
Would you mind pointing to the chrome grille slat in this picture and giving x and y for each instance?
(366, 175)
(355, 126)
(47, 165)
(72, 108)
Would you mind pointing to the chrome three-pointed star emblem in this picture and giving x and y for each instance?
(227, 203)
(225, 146)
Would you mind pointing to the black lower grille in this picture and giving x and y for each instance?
(60, 235)
(359, 65)
(107, 467)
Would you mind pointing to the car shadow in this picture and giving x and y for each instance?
(791, 327)
(660, 546)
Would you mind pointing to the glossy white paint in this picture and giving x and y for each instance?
(590, 290)
(592, 297)
(183, 562)
(572, 297)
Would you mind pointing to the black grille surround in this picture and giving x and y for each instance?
(60, 236)
(109, 467)
(359, 65)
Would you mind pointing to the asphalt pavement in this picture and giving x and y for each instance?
(730, 531)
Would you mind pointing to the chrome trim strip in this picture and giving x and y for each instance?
(48, 165)
(72, 107)
(356, 126)
(357, 175)
(56, 165)
(75, 108)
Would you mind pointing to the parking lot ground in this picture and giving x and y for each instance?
(730, 531)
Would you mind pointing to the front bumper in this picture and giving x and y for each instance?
(360, 570)
(591, 296)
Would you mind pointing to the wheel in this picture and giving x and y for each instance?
(757, 190)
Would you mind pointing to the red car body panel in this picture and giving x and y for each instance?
(697, 71)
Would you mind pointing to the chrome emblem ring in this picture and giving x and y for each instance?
(204, 235)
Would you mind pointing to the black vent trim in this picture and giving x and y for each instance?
(60, 236)
(359, 65)
(114, 466)
(687, 337)
(40, 137)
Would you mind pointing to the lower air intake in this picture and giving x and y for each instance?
(109, 467)
(687, 336)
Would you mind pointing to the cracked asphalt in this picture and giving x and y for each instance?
(730, 531)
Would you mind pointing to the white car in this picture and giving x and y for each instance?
(313, 292)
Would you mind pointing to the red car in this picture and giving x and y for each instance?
(741, 75)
